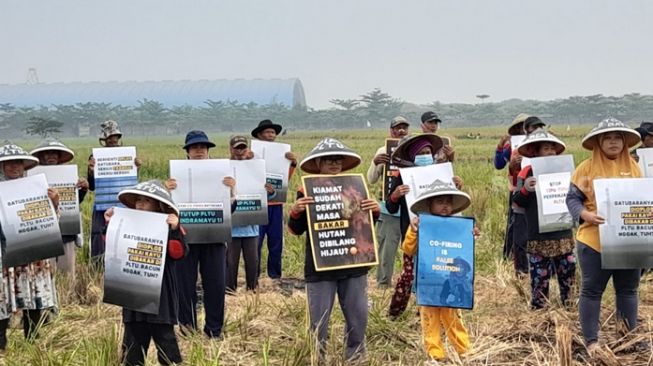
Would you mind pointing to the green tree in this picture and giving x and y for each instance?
(380, 106)
(43, 127)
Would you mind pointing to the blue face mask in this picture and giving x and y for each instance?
(423, 160)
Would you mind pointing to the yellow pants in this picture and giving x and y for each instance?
(452, 322)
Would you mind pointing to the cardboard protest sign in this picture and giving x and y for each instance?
(627, 235)
(276, 165)
(421, 177)
(251, 196)
(203, 200)
(445, 262)
(553, 174)
(390, 171)
(646, 161)
(136, 247)
(515, 141)
(114, 170)
(341, 234)
(29, 221)
(64, 179)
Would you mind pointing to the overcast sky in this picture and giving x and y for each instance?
(419, 51)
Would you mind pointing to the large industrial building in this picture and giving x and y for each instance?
(288, 92)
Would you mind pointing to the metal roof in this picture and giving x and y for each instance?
(288, 92)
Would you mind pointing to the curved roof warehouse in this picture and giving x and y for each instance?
(288, 92)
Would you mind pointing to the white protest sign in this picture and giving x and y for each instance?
(251, 196)
(420, 177)
(515, 141)
(64, 179)
(276, 165)
(627, 234)
(136, 247)
(553, 175)
(646, 161)
(29, 221)
(203, 200)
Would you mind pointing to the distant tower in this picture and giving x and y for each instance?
(32, 76)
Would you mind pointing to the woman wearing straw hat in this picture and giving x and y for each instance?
(551, 252)
(609, 142)
(330, 156)
(110, 136)
(30, 286)
(515, 238)
(53, 152)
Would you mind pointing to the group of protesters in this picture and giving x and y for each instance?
(30, 287)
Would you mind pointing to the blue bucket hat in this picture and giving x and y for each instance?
(197, 137)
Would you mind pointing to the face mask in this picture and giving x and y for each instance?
(423, 160)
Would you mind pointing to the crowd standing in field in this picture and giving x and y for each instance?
(30, 287)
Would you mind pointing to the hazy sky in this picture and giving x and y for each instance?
(419, 51)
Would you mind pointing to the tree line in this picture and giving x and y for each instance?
(371, 110)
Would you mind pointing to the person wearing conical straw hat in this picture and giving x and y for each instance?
(441, 199)
(388, 230)
(53, 152)
(609, 142)
(110, 136)
(141, 327)
(547, 252)
(331, 156)
(514, 245)
(502, 157)
(415, 150)
(28, 287)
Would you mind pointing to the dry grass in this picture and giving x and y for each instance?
(269, 328)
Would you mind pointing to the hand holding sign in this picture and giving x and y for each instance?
(381, 158)
(400, 191)
(530, 184)
(369, 204)
(170, 184)
(291, 156)
(53, 195)
(300, 205)
(592, 217)
(173, 221)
